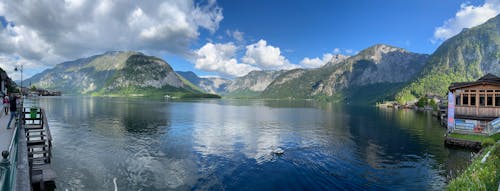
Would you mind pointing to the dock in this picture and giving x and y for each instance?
(39, 145)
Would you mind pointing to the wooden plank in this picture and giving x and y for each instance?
(40, 152)
(36, 142)
(34, 130)
(44, 176)
(35, 135)
(35, 126)
(38, 146)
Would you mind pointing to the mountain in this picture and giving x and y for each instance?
(338, 58)
(115, 73)
(214, 85)
(252, 84)
(373, 74)
(464, 57)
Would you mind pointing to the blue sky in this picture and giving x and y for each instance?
(227, 38)
(312, 28)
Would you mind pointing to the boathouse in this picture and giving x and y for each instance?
(472, 106)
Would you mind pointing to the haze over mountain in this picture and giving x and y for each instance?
(215, 85)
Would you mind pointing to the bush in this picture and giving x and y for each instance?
(480, 176)
(487, 142)
(422, 102)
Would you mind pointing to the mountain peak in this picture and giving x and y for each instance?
(378, 51)
(384, 48)
(337, 58)
(117, 52)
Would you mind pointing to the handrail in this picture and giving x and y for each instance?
(9, 162)
(14, 137)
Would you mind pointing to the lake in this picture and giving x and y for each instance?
(227, 145)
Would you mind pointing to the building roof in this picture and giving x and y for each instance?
(488, 79)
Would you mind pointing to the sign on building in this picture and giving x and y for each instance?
(468, 125)
(451, 111)
(494, 126)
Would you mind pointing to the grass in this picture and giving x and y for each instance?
(485, 140)
(480, 176)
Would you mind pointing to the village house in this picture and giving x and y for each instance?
(472, 106)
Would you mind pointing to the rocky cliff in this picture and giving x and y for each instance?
(252, 84)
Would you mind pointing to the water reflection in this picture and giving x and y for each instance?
(227, 144)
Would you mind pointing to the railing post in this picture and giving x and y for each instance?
(5, 164)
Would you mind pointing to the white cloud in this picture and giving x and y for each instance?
(266, 56)
(468, 16)
(316, 62)
(221, 58)
(51, 32)
(327, 58)
(236, 34)
(336, 50)
(345, 51)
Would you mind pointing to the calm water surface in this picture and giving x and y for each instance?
(228, 144)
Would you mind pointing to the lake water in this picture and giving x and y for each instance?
(228, 144)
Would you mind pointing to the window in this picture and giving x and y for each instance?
(465, 100)
(497, 99)
(481, 99)
(457, 100)
(473, 91)
(489, 90)
(472, 99)
(481, 90)
(489, 100)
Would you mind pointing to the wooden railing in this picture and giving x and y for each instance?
(477, 111)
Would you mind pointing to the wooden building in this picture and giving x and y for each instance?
(476, 103)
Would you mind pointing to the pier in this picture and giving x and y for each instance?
(26, 149)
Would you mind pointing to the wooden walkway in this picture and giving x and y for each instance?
(39, 142)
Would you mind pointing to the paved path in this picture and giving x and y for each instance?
(5, 134)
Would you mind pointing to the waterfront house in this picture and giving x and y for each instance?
(475, 104)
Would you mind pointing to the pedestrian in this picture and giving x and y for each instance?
(6, 104)
(13, 109)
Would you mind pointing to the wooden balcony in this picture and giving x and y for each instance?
(480, 112)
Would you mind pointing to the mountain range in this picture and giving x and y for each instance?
(379, 72)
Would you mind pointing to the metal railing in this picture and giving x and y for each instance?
(477, 127)
(8, 163)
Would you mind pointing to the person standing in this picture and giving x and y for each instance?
(13, 109)
(6, 104)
